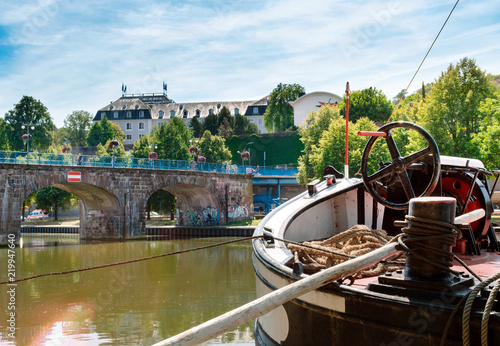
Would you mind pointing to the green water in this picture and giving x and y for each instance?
(132, 304)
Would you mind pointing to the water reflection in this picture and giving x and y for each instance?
(137, 303)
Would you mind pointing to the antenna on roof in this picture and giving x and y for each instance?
(164, 88)
(124, 89)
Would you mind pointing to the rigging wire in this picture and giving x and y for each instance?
(129, 261)
(425, 57)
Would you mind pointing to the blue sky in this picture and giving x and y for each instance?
(75, 55)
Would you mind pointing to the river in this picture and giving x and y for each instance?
(138, 303)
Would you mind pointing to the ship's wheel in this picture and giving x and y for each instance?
(396, 171)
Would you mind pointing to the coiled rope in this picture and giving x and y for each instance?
(130, 261)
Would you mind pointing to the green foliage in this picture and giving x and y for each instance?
(104, 131)
(211, 124)
(316, 123)
(196, 127)
(162, 202)
(279, 113)
(142, 147)
(214, 148)
(370, 103)
(225, 129)
(29, 111)
(4, 140)
(77, 126)
(172, 140)
(117, 151)
(52, 198)
(279, 148)
(452, 111)
(487, 138)
(243, 126)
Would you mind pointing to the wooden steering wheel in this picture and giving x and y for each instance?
(398, 168)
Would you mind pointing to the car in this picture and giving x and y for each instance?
(37, 214)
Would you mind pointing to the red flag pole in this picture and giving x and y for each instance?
(346, 168)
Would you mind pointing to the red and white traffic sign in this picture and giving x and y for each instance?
(75, 177)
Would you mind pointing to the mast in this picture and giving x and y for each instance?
(346, 167)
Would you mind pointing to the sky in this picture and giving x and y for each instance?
(75, 55)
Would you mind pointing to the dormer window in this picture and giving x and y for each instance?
(141, 114)
(160, 114)
(185, 115)
(129, 114)
(172, 114)
(210, 111)
(218, 105)
(255, 110)
(236, 111)
(111, 108)
(136, 106)
(198, 113)
(180, 107)
(124, 107)
(115, 115)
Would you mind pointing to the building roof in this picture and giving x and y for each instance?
(159, 106)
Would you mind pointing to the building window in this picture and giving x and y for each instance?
(236, 111)
(218, 105)
(111, 107)
(129, 114)
(141, 126)
(124, 107)
(185, 114)
(255, 110)
(141, 114)
(210, 111)
(103, 115)
(129, 126)
(160, 115)
(115, 115)
(198, 113)
(260, 121)
(172, 114)
(136, 106)
(142, 134)
(129, 137)
(251, 120)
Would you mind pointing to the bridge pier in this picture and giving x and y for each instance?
(114, 199)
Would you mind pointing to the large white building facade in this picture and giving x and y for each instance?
(136, 114)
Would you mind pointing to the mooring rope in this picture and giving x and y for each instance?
(129, 261)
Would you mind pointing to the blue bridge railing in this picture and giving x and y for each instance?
(36, 158)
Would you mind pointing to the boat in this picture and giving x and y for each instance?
(426, 298)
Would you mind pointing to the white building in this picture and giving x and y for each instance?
(137, 113)
(307, 103)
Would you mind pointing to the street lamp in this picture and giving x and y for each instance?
(26, 137)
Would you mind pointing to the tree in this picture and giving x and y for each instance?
(214, 148)
(278, 116)
(196, 127)
(117, 150)
(30, 111)
(225, 129)
(141, 148)
(103, 131)
(162, 202)
(77, 125)
(316, 123)
(52, 198)
(243, 126)
(95, 136)
(452, 113)
(486, 139)
(370, 103)
(211, 124)
(173, 140)
(4, 140)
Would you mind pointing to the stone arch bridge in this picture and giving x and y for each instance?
(113, 200)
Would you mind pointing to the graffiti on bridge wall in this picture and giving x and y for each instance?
(238, 212)
(205, 217)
